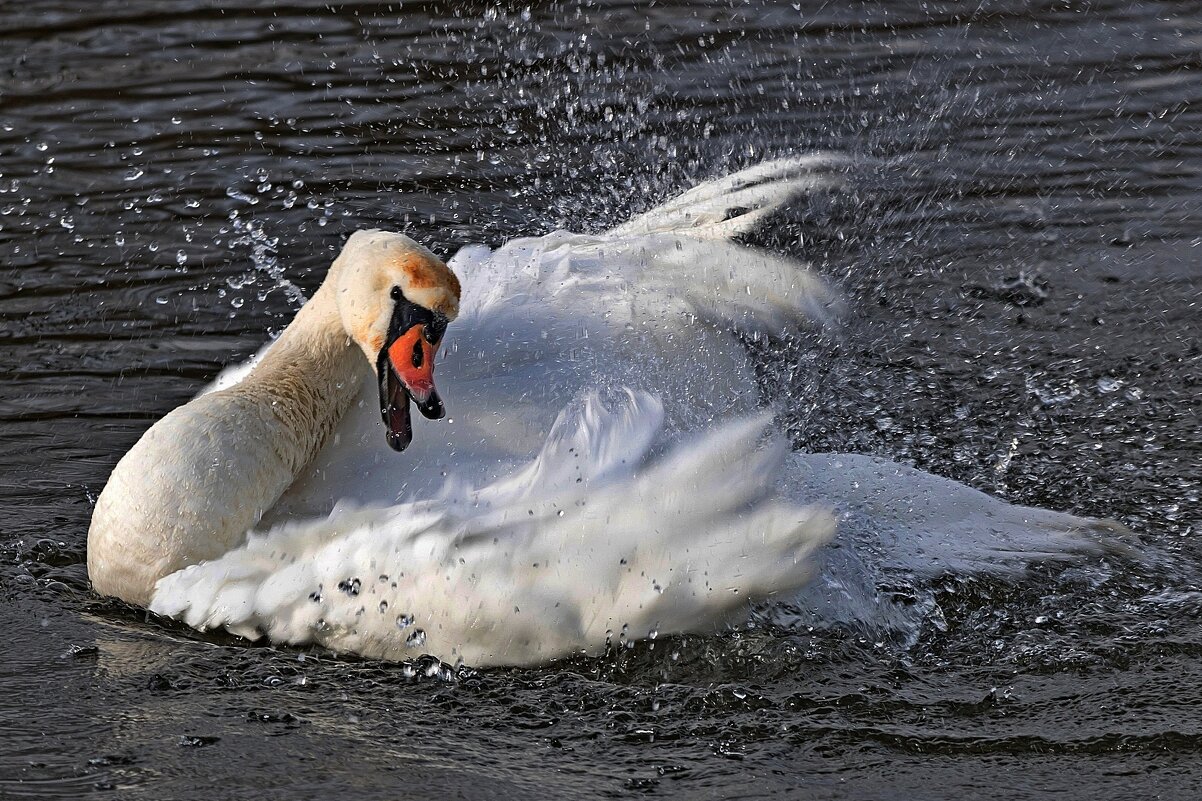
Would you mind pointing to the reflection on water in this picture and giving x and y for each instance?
(1024, 266)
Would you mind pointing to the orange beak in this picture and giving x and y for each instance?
(405, 368)
(412, 357)
(406, 372)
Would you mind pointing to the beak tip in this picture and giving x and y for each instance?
(432, 407)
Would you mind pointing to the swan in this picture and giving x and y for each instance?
(594, 464)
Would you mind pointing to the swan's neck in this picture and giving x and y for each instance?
(308, 378)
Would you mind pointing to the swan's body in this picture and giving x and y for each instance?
(552, 508)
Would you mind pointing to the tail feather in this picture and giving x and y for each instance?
(901, 528)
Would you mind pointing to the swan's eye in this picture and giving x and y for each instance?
(396, 293)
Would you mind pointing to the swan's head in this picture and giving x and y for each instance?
(396, 298)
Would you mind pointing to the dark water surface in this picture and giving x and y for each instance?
(168, 170)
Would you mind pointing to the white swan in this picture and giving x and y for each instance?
(600, 472)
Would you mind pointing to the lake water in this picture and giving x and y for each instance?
(1021, 251)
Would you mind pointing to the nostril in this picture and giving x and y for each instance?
(418, 355)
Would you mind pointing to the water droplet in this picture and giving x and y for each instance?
(349, 586)
(404, 620)
(242, 196)
(416, 639)
(383, 607)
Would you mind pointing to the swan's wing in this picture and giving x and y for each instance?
(533, 568)
(650, 305)
(668, 266)
(735, 204)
